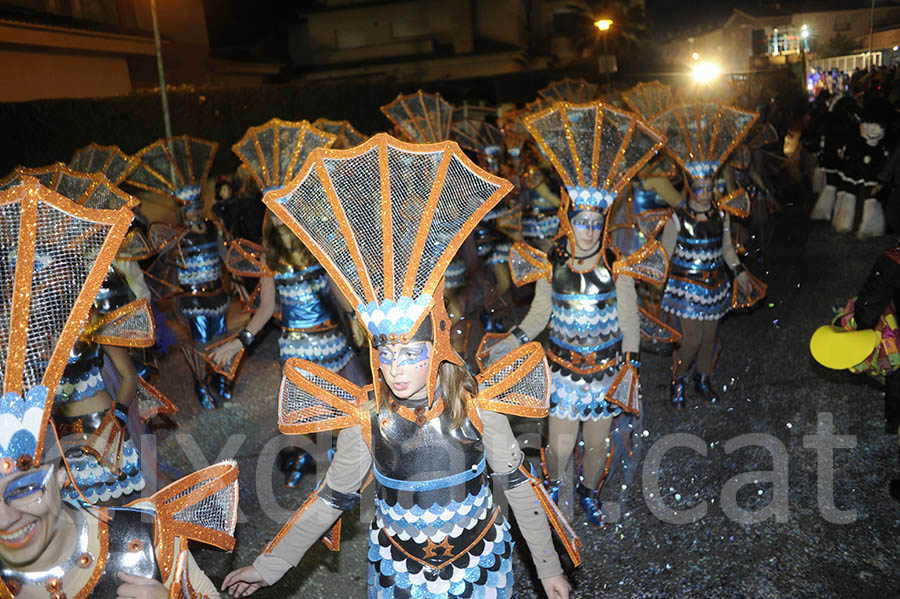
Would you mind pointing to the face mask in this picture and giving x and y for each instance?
(26, 489)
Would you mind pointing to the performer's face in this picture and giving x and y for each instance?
(405, 368)
(30, 504)
(587, 228)
(703, 189)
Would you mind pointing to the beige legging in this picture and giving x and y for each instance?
(563, 434)
(698, 337)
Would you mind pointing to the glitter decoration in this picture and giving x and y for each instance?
(110, 161)
(421, 117)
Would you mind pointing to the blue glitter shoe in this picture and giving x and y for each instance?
(553, 487)
(223, 388)
(206, 400)
(590, 504)
(294, 468)
(704, 385)
(678, 392)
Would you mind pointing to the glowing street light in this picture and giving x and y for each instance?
(695, 56)
(603, 24)
(705, 72)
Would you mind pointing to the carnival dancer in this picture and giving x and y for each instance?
(706, 279)
(178, 167)
(287, 272)
(55, 254)
(591, 304)
(384, 220)
(102, 457)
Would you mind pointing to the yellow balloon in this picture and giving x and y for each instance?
(835, 348)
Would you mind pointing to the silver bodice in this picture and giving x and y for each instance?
(584, 319)
(698, 250)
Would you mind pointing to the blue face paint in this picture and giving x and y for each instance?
(587, 224)
(24, 488)
(406, 356)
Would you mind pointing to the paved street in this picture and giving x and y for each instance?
(774, 392)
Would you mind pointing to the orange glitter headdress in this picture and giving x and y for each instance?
(649, 99)
(54, 255)
(421, 117)
(701, 136)
(115, 164)
(385, 219)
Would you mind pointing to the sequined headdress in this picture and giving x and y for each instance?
(421, 117)
(701, 136)
(481, 137)
(54, 255)
(649, 99)
(176, 167)
(577, 91)
(595, 149)
(347, 135)
(276, 151)
(112, 162)
(385, 219)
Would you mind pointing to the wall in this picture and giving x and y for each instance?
(28, 76)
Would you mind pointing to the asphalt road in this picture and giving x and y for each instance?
(742, 505)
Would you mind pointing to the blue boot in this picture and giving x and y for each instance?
(590, 504)
(678, 392)
(206, 400)
(553, 487)
(704, 385)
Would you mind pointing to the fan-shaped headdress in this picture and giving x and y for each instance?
(595, 149)
(176, 167)
(649, 99)
(576, 91)
(347, 135)
(421, 117)
(109, 160)
(701, 136)
(481, 137)
(54, 255)
(92, 190)
(277, 150)
(385, 219)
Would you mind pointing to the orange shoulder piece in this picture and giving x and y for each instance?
(314, 399)
(736, 203)
(527, 264)
(201, 506)
(649, 263)
(246, 259)
(132, 325)
(757, 291)
(518, 384)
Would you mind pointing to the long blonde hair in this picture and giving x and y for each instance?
(454, 385)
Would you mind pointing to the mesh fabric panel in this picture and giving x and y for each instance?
(569, 90)
(358, 180)
(529, 391)
(10, 216)
(93, 190)
(215, 512)
(649, 99)
(476, 135)
(707, 132)
(299, 406)
(64, 252)
(137, 326)
(168, 165)
(609, 145)
(423, 118)
(347, 135)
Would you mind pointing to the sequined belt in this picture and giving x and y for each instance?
(430, 485)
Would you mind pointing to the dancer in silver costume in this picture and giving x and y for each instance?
(55, 256)
(384, 219)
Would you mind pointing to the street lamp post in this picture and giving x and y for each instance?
(167, 122)
(603, 25)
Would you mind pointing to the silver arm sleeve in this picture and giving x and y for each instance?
(728, 253)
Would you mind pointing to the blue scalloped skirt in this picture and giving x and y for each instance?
(484, 572)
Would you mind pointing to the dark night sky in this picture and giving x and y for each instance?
(667, 15)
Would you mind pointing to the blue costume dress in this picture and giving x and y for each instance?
(699, 287)
(309, 329)
(584, 342)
